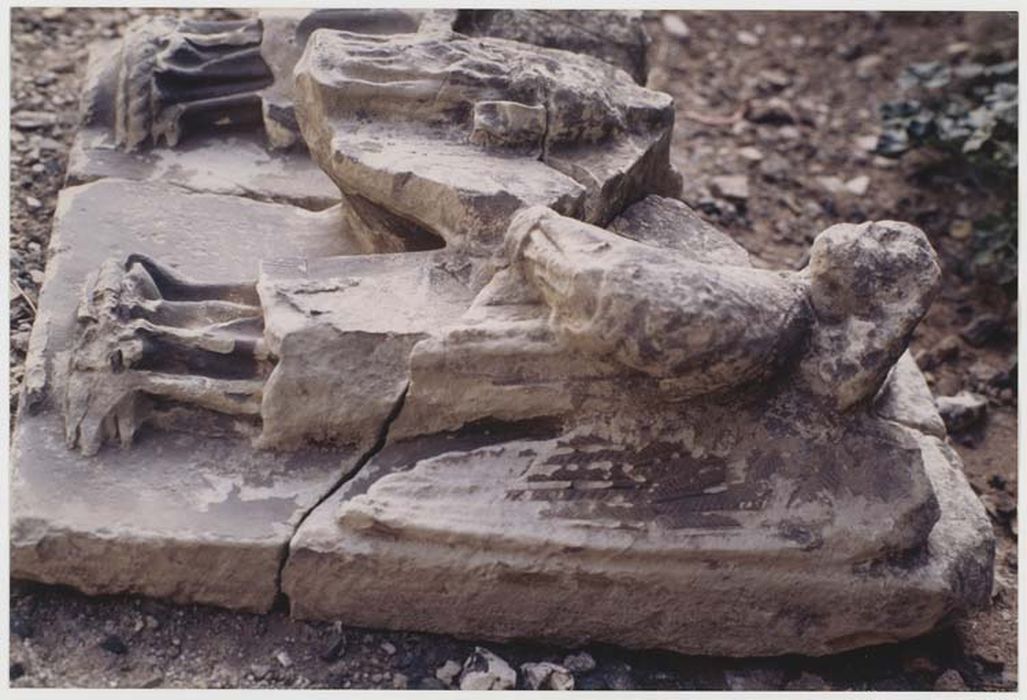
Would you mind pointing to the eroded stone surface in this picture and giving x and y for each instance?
(478, 519)
(342, 330)
(191, 511)
(906, 398)
(619, 38)
(870, 286)
(234, 162)
(447, 132)
(627, 434)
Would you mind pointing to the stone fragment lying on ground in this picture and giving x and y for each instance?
(457, 134)
(546, 676)
(483, 670)
(456, 402)
(962, 411)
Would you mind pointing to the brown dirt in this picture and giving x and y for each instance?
(820, 65)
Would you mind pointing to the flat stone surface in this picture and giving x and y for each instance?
(237, 164)
(194, 517)
(906, 398)
(670, 223)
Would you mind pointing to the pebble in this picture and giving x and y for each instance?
(958, 49)
(581, 662)
(773, 110)
(982, 329)
(734, 187)
(21, 627)
(448, 671)
(776, 79)
(335, 652)
(54, 13)
(27, 121)
(675, 26)
(867, 66)
(808, 681)
(260, 671)
(389, 648)
(750, 153)
(858, 185)
(483, 670)
(284, 659)
(832, 184)
(774, 166)
(546, 676)
(962, 411)
(32, 204)
(950, 681)
(114, 644)
(961, 229)
(747, 38)
(399, 681)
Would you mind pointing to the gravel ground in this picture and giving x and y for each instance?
(830, 71)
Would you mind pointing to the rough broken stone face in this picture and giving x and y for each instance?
(870, 285)
(506, 388)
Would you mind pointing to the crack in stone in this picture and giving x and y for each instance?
(383, 436)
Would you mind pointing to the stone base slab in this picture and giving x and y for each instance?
(194, 517)
(374, 572)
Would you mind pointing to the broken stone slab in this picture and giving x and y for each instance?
(531, 453)
(187, 517)
(459, 156)
(471, 544)
(342, 330)
(616, 37)
(176, 77)
(906, 398)
(190, 512)
(670, 223)
(286, 32)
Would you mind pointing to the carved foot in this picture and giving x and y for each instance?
(151, 341)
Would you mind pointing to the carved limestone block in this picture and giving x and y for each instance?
(483, 375)
(448, 132)
(179, 75)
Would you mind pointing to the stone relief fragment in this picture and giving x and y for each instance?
(509, 385)
(151, 343)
